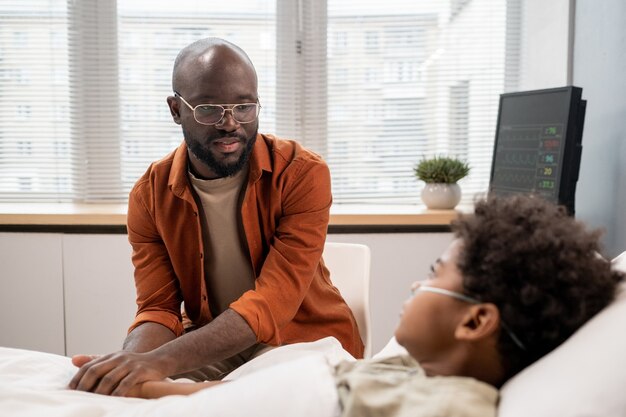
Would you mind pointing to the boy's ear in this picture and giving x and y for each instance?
(480, 322)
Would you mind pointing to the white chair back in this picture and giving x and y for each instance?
(349, 266)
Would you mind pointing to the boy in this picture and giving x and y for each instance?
(519, 278)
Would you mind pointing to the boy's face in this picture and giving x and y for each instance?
(429, 320)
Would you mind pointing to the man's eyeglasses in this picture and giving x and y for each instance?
(212, 114)
(467, 299)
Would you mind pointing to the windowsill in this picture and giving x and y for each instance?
(108, 214)
(397, 215)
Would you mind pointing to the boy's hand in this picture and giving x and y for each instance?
(80, 360)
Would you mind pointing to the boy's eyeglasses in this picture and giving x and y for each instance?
(467, 299)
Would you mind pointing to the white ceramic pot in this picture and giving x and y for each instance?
(441, 196)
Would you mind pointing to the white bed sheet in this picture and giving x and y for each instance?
(293, 380)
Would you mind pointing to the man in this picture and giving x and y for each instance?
(520, 277)
(233, 224)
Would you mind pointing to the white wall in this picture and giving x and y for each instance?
(544, 44)
(600, 69)
(598, 65)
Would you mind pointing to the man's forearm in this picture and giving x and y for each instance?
(227, 335)
(147, 336)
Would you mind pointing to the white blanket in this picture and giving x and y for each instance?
(293, 380)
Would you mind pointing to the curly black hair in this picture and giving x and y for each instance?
(539, 266)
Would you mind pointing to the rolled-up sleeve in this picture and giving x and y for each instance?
(294, 253)
(158, 294)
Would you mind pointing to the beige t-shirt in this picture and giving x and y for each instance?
(227, 265)
(399, 387)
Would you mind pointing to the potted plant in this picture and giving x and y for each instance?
(441, 174)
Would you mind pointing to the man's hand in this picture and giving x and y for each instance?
(117, 373)
(120, 373)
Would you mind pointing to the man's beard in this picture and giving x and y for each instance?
(220, 169)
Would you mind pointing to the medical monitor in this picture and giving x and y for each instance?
(538, 144)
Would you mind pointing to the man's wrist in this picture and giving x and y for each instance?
(165, 362)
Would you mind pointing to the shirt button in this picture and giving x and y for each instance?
(195, 213)
(201, 255)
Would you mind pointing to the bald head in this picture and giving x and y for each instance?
(208, 54)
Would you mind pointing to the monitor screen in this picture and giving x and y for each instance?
(538, 144)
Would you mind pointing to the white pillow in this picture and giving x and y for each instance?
(619, 263)
(392, 348)
(585, 376)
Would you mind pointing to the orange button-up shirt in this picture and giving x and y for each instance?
(285, 215)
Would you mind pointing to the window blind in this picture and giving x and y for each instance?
(371, 86)
(408, 80)
(35, 145)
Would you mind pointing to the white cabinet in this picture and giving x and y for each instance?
(99, 292)
(75, 293)
(31, 292)
(65, 293)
